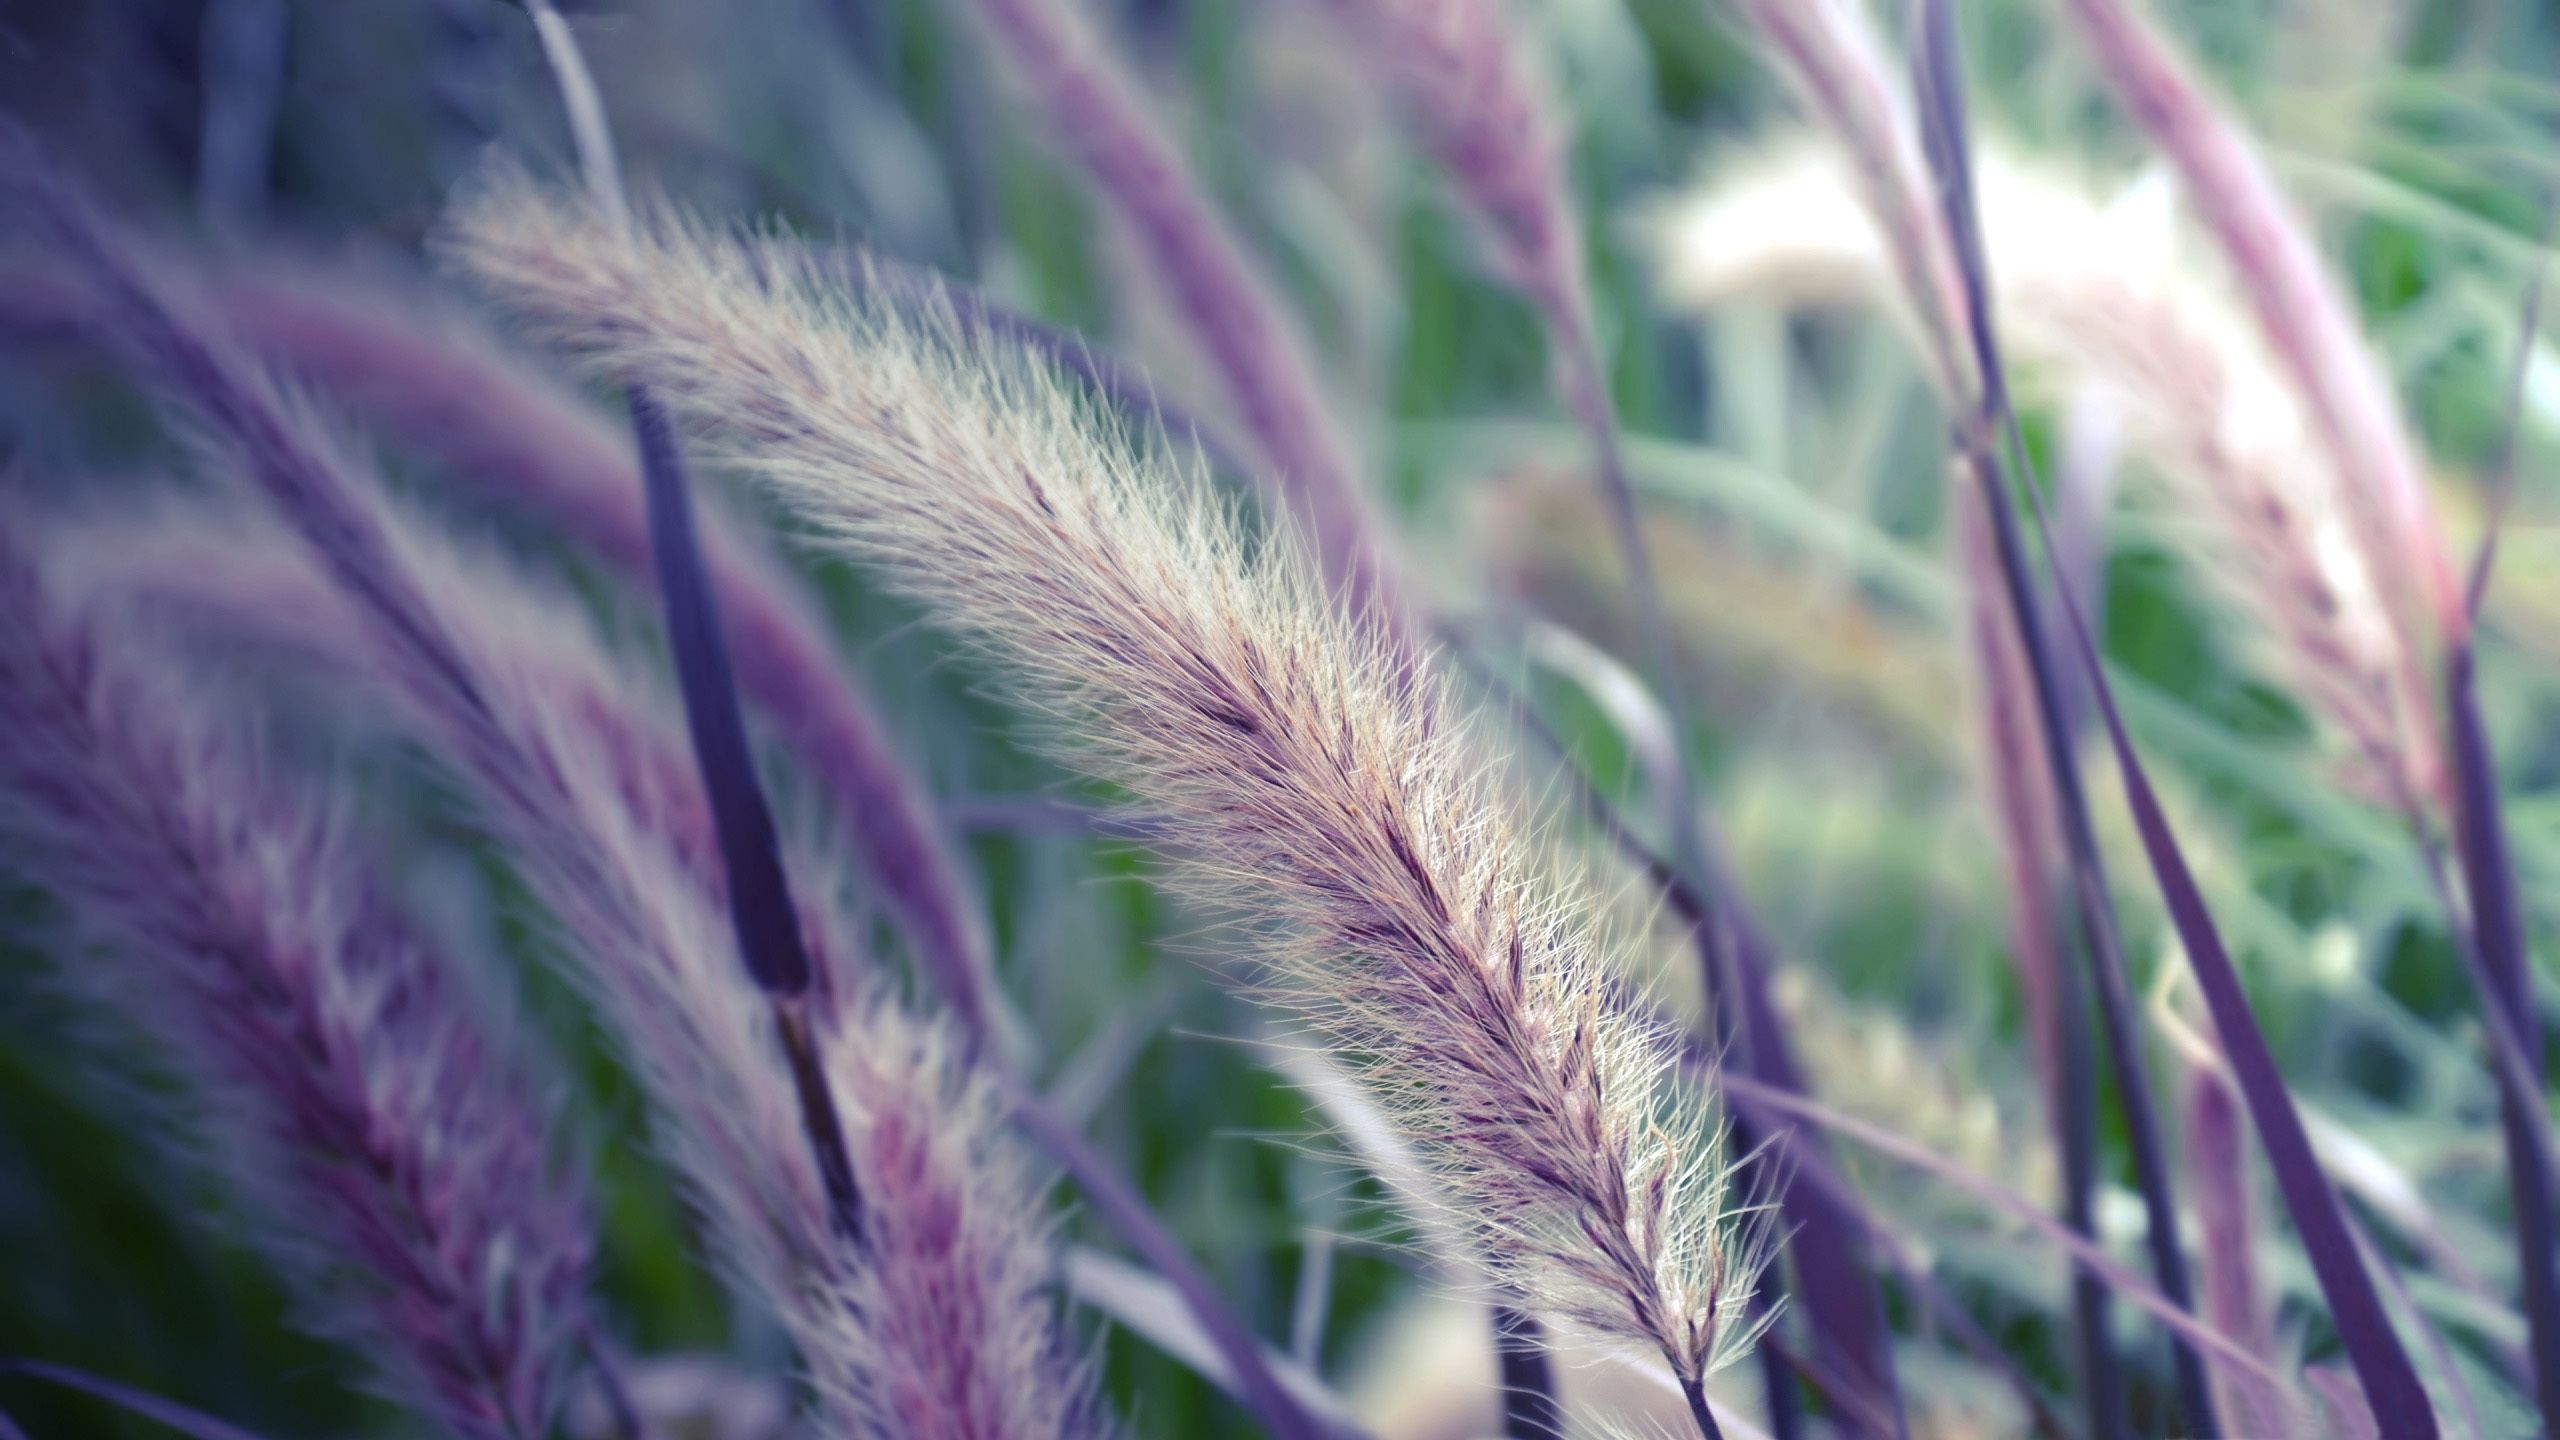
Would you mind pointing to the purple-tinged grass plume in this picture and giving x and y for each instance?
(577, 772)
(948, 1324)
(402, 1165)
(1320, 788)
(1097, 112)
(2306, 317)
(2091, 293)
(1468, 82)
(498, 426)
(1834, 58)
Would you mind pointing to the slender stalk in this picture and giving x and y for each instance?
(760, 907)
(1938, 81)
(2502, 966)
(185, 1419)
(2056, 990)
(2398, 1398)
(1696, 1394)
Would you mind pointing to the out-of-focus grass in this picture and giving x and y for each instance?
(1792, 454)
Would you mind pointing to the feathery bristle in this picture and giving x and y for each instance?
(1313, 781)
(397, 1159)
(1097, 112)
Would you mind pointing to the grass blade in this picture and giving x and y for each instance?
(186, 1420)
(1938, 67)
(1752, 1095)
(2503, 971)
(2391, 1382)
(759, 895)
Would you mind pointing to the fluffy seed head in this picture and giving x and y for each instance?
(385, 1144)
(947, 1330)
(2305, 316)
(582, 774)
(2093, 293)
(1316, 783)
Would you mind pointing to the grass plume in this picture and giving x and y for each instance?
(403, 1165)
(581, 774)
(1309, 780)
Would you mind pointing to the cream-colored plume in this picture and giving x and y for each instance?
(1329, 793)
(2095, 291)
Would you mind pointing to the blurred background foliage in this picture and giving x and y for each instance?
(1792, 457)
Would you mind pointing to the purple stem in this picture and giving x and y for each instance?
(2503, 967)
(1939, 79)
(759, 897)
(1748, 1094)
(760, 905)
(184, 1419)
(1526, 1379)
(2391, 1382)
(2505, 976)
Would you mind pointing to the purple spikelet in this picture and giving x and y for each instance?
(394, 1155)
